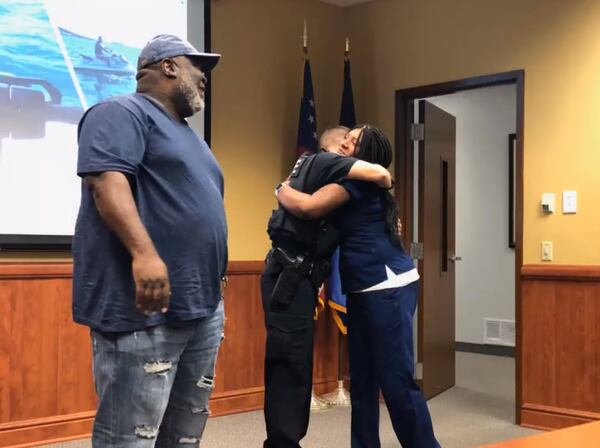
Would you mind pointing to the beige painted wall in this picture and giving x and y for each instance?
(399, 43)
(256, 100)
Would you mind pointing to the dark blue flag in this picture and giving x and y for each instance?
(337, 300)
(308, 140)
(347, 116)
(307, 123)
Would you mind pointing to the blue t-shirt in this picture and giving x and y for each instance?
(366, 248)
(178, 189)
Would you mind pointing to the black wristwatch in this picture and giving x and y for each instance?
(278, 188)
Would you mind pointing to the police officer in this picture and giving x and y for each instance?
(296, 266)
(381, 283)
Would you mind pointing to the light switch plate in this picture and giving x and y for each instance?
(570, 201)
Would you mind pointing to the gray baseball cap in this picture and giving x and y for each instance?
(168, 46)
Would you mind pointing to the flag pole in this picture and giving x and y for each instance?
(305, 39)
(316, 403)
(341, 396)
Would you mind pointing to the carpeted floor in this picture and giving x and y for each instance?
(478, 410)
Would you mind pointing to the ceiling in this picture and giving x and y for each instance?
(344, 3)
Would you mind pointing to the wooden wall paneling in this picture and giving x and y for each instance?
(42, 433)
(561, 345)
(549, 417)
(75, 385)
(538, 351)
(240, 364)
(578, 349)
(46, 390)
(46, 386)
(585, 436)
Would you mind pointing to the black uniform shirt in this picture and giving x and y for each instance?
(309, 174)
(325, 168)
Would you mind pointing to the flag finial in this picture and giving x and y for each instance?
(305, 39)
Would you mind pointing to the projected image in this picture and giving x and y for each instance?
(103, 68)
(102, 39)
(35, 84)
(57, 59)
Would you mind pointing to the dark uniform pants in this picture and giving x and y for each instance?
(288, 362)
(380, 342)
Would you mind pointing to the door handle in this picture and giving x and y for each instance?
(454, 258)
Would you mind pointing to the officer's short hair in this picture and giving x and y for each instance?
(324, 140)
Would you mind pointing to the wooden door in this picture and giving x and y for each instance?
(437, 175)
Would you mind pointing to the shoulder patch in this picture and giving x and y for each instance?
(298, 165)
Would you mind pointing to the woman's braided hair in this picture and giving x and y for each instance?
(373, 146)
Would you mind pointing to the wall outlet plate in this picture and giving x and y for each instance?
(547, 251)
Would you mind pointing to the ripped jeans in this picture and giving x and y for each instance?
(153, 385)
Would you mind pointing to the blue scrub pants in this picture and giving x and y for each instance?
(380, 341)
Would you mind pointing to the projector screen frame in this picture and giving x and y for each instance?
(26, 243)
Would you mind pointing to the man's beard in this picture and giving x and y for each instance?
(192, 96)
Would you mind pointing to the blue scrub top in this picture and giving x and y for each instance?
(366, 248)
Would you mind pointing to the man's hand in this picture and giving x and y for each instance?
(285, 183)
(152, 288)
(115, 203)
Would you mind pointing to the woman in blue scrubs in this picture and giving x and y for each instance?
(381, 284)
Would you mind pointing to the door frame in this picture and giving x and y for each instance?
(404, 163)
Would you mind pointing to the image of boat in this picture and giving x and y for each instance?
(27, 104)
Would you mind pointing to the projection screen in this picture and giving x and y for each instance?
(58, 58)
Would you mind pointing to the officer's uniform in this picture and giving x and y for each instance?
(295, 268)
(381, 284)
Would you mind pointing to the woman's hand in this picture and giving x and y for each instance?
(370, 172)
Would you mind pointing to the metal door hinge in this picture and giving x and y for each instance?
(418, 373)
(416, 251)
(417, 132)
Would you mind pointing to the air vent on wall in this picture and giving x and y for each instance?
(499, 331)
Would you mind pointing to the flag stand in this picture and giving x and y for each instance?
(340, 396)
(318, 404)
(307, 105)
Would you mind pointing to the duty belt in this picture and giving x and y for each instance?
(301, 263)
(291, 271)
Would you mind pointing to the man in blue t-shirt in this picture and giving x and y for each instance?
(150, 253)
